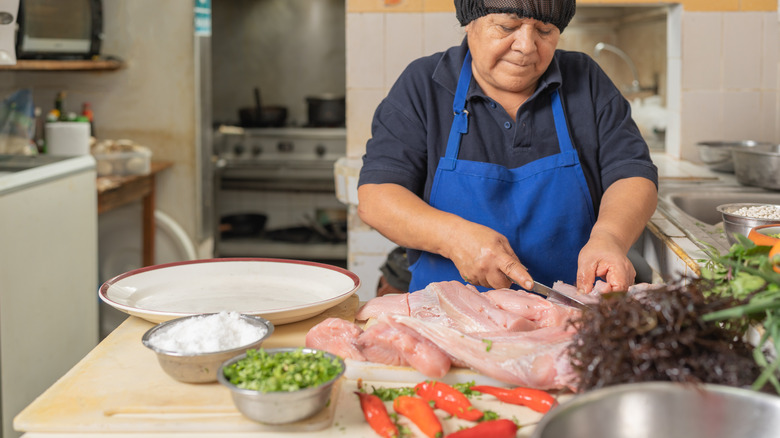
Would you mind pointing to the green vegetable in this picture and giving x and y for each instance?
(390, 394)
(282, 371)
(489, 344)
(746, 273)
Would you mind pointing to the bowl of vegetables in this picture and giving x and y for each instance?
(766, 235)
(281, 385)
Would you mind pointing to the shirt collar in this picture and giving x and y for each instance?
(448, 69)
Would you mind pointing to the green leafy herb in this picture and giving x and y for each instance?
(390, 394)
(746, 273)
(489, 344)
(282, 371)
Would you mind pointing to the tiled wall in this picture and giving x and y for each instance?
(721, 76)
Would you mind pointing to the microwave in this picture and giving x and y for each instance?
(59, 29)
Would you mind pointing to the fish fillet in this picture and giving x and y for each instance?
(336, 336)
(470, 311)
(542, 312)
(396, 304)
(390, 343)
(535, 359)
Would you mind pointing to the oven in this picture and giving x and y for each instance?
(274, 194)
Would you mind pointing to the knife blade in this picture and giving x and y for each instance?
(549, 292)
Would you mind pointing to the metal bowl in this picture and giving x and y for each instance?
(717, 155)
(758, 166)
(664, 409)
(281, 407)
(733, 223)
(200, 367)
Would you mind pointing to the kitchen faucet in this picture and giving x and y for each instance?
(635, 87)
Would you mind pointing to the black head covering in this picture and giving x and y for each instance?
(556, 12)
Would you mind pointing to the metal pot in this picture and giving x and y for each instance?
(326, 110)
(717, 154)
(758, 166)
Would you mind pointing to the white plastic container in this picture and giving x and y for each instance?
(135, 162)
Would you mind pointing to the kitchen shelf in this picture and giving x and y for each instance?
(64, 65)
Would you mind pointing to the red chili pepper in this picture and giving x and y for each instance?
(535, 399)
(376, 415)
(501, 428)
(448, 399)
(421, 414)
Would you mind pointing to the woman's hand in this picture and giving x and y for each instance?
(603, 256)
(484, 257)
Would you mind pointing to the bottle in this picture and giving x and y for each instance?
(86, 111)
(59, 106)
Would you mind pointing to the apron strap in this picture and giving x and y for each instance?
(460, 123)
(561, 129)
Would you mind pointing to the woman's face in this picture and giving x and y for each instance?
(510, 54)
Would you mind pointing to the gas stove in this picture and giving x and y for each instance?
(280, 158)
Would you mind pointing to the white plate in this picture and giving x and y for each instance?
(281, 291)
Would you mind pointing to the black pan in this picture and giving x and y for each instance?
(242, 225)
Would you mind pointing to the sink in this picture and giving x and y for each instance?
(692, 208)
(701, 205)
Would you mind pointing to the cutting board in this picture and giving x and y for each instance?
(120, 387)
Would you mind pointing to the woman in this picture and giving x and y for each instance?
(505, 160)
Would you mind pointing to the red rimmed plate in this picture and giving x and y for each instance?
(281, 291)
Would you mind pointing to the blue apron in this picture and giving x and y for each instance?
(544, 208)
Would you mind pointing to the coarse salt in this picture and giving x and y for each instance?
(208, 333)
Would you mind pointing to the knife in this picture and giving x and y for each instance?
(549, 292)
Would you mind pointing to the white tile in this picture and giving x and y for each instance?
(368, 241)
(365, 58)
(771, 52)
(366, 267)
(701, 50)
(674, 32)
(361, 105)
(441, 30)
(769, 117)
(701, 120)
(403, 43)
(742, 50)
(741, 115)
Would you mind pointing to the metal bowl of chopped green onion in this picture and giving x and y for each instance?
(281, 385)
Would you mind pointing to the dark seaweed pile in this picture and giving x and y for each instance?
(657, 335)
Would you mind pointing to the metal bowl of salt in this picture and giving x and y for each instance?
(190, 363)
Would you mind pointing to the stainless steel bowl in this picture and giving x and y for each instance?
(281, 407)
(200, 367)
(758, 166)
(733, 223)
(664, 409)
(717, 155)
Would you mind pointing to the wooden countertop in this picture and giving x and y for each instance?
(119, 390)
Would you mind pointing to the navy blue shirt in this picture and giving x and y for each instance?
(411, 125)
